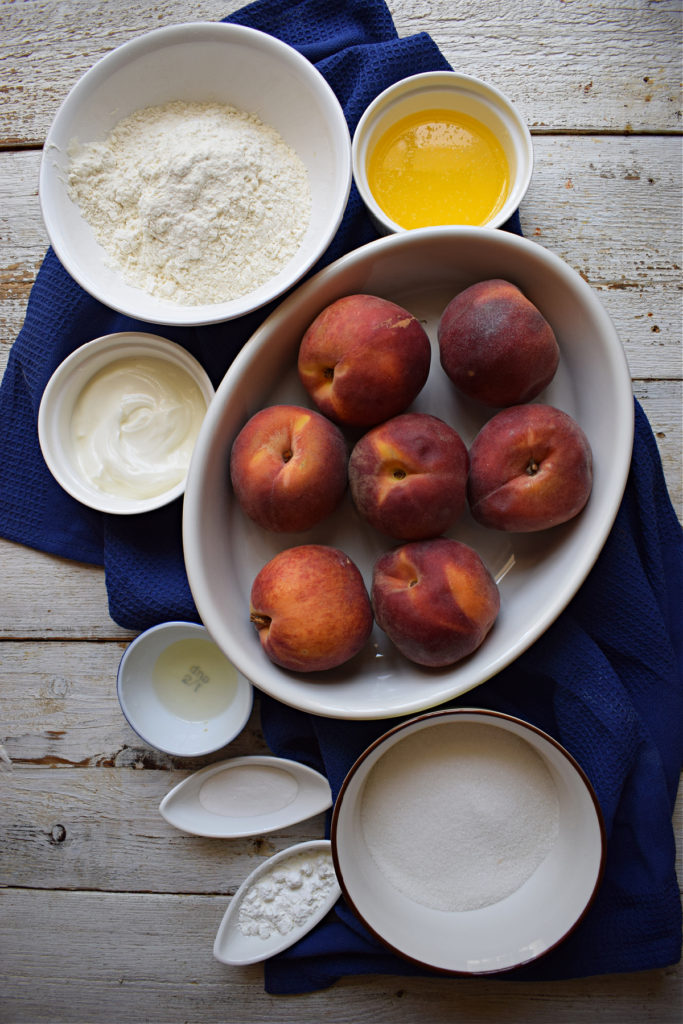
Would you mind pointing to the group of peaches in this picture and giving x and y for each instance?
(362, 362)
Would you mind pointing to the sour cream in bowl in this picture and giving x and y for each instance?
(119, 419)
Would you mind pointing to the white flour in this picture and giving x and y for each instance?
(286, 895)
(193, 202)
(459, 816)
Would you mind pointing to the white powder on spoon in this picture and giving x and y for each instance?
(193, 202)
(460, 815)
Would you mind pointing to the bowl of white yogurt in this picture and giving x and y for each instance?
(468, 841)
(195, 173)
(119, 419)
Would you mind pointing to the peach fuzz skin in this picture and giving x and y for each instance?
(363, 360)
(288, 467)
(310, 608)
(408, 476)
(530, 469)
(435, 599)
(496, 346)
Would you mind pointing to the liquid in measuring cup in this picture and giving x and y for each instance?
(194, 680)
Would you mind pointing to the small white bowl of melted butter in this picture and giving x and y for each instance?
(119, 419)
(441, 148)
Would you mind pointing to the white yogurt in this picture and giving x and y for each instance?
(135, 424)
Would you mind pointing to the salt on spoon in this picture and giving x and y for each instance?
(246, 796)
(278, 903)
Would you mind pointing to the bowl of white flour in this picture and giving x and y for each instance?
(195, 174)
(468, 841)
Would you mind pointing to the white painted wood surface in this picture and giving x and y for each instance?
(108, 914)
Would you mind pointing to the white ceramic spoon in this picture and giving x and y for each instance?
(233, 946)
(246, 796)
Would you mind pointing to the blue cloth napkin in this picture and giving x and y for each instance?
(605, 679)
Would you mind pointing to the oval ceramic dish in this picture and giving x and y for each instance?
(538, 573)
(231, 946)
(246, 796)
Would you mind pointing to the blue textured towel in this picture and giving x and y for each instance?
(604, 680)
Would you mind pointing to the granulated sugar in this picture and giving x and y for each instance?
(458, 816)
(193, 202)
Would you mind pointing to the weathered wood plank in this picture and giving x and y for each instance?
(565, 65)
(42, 595)
(80, 957)
(594, 202)
(662, 402)
(100, 828)
(585, 65)
(172, 937)
(24, 241)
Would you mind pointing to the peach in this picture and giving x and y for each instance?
(530, 469)
(288, 467)
(363, 360)
(435, 599)
(310, 608)
(496, 346)
(408, 476)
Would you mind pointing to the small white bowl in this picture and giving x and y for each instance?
(179, 692)
(445, 90)
(61, 396)
(500, 908)
(198, 62)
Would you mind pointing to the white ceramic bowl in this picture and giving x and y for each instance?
(203, 61)
(538, 573)
(179, 693)
(464, 802)
(61, 396)
(445, 90)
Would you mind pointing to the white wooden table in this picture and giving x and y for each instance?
(108, 914)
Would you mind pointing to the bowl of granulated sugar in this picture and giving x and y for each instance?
(195, 173)
(468, 841)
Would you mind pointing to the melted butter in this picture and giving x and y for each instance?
(135, 424)
(439, 167)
